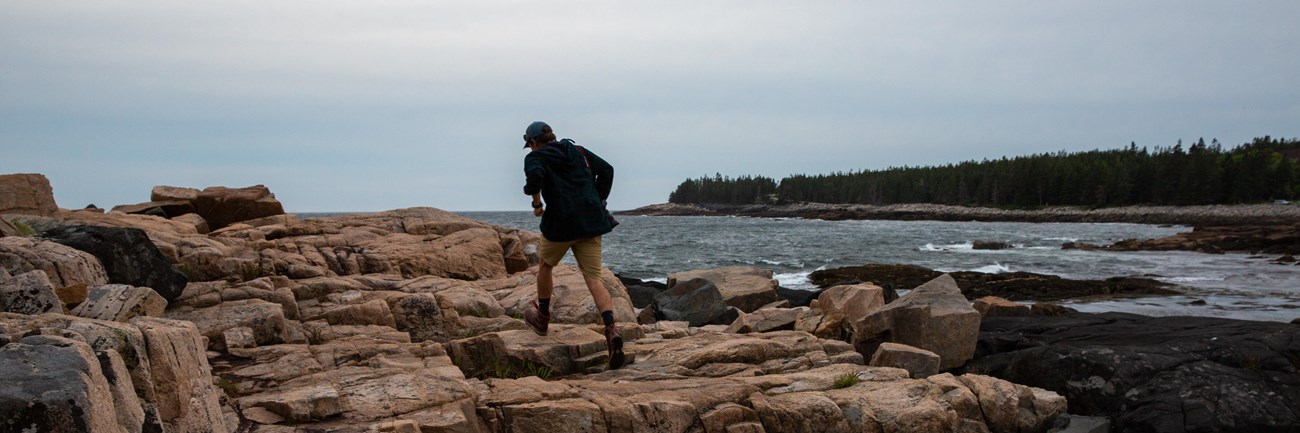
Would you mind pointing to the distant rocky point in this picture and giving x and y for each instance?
(1221, 215)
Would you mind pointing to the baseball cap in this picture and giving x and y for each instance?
(535, 130)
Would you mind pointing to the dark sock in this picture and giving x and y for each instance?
(544, 306)
(608, 316)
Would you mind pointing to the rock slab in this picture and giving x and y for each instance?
(26, 194)
(221, 206)
(120, 303)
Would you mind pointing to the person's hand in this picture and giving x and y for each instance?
(537, 212)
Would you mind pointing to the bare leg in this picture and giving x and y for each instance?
(545, 283)
(598, 293)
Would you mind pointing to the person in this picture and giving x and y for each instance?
(569, 186)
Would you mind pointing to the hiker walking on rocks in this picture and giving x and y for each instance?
(569, 186)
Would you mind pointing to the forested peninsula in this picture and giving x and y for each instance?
(1265, 169)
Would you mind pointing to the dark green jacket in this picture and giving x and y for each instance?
(574, 193)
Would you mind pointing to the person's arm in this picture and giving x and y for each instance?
(534, 172)
(604, 174)
(537, 204)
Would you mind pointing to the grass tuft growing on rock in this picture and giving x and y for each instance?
(846, 380)
(24, 229)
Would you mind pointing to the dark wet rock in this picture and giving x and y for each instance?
(990, 245)
(1153, 374)
(127, 254)
(696, 300)
(1263, 239)
(797, 297)
(1050, 309)
(1014, 286)
(642, 292)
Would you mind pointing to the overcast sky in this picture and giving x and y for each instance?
(375, 105)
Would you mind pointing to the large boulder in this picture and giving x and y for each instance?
(919, 363)
(122, 353)
(570, 299)
(29, 293)
(120, 303)
(173, 193)
(127, 254)
(696, 300)
(426, 317)
(187, 399)
(1154, 374)
(265, 319)
(833, 312)
(744, 287)
(221, 206)
(935, 317)
(26, 194)
(766, 320)
(55, 384)
(65, 266)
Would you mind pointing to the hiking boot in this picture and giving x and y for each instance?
(615, 344)
(534, 318)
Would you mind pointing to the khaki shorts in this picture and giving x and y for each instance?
(585, 251)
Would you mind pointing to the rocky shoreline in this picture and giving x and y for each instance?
(1214, 215)
(217, 313)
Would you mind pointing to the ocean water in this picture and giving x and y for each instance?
(1231, 285)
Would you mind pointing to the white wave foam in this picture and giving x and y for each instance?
(1189, 279)
(795, 280)
(996, 268)
(657, 280)
(1062, 239)
(969, 246)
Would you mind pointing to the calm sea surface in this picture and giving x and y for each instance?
(1232, 285)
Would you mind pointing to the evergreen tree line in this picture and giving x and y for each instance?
(1261, 170)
